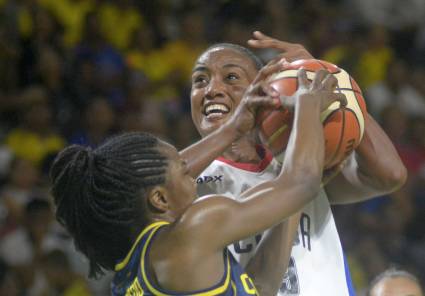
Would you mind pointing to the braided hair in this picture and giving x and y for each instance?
(98, 193)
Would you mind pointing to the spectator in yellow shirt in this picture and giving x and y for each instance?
(71, 15)
(35, 138)
(118, 21)
(143, 56)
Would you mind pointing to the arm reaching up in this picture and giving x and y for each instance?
(374, 169)
(271, 202)
(288, 51)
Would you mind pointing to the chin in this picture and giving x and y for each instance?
(208, 126)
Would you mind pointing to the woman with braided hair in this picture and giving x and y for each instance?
(131, 206)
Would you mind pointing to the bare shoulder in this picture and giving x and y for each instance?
(203, 218)
(206, 210)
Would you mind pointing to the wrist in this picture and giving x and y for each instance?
(229, 131)
(308, 102)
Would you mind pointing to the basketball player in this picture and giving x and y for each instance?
(129, 205)
(317, 265)
(395, 282)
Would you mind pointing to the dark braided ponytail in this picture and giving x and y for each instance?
(98, 194)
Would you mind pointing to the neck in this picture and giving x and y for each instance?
(243, 150)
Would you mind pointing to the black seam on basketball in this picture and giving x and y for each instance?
(357, 101)
(326, 68)
(329, 115)
(324, 123)
(349, 89)
(343, 126)
(341, 136)
(355, 116)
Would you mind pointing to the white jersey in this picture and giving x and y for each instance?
(317, 265)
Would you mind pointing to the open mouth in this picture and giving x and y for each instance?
(215, 110)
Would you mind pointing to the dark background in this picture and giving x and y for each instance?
(77, 71)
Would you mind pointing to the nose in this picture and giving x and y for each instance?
(214, 89)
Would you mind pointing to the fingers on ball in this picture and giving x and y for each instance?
(339, 97)
(330, 82)
(319, 77)
(302, 77)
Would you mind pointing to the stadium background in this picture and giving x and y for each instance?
(77, 71)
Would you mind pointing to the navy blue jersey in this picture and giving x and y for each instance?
(132, 277)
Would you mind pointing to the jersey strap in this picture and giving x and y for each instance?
(217, 289)
(266, 158)
(119, 266)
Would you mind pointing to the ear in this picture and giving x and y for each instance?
(158, 199)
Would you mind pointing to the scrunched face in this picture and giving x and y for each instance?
(219, 79)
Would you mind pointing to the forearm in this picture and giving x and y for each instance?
(305, 150)
(199, 155)
(304, 156)
(375, 169)
(267, 268)
(299, 180)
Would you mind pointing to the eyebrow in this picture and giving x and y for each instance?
(204, 68)
(199, 68)
(233, 65)
(236, 66)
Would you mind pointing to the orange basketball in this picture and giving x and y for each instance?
(343, 127)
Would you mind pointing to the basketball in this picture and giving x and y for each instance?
(343, 126)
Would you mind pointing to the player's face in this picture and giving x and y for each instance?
(219, 80)
(398, 286)
(180, 185)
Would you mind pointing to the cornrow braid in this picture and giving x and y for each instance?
(97, 194)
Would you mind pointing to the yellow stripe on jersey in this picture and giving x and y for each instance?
(213, 292)
(135, 289)
(248, 285)
(235, 292)
(123, 263)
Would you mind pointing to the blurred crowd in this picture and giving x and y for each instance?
(77, 71)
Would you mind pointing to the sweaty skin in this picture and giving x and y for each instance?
(374, 168)
(211, 224)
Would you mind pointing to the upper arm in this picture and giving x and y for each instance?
(347, 186)
(375, 168)
(204, 221)
(218, 221)
(356, 183)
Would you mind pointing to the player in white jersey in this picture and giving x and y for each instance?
(317, 265)
(316, 247)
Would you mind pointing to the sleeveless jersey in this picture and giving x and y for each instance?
(317, 265)
(133, 279)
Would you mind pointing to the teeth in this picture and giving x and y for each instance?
(216, 107)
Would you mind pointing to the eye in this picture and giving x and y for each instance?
(199, 79)
(232, 76)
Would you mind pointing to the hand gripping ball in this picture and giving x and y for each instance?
(343, 126)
